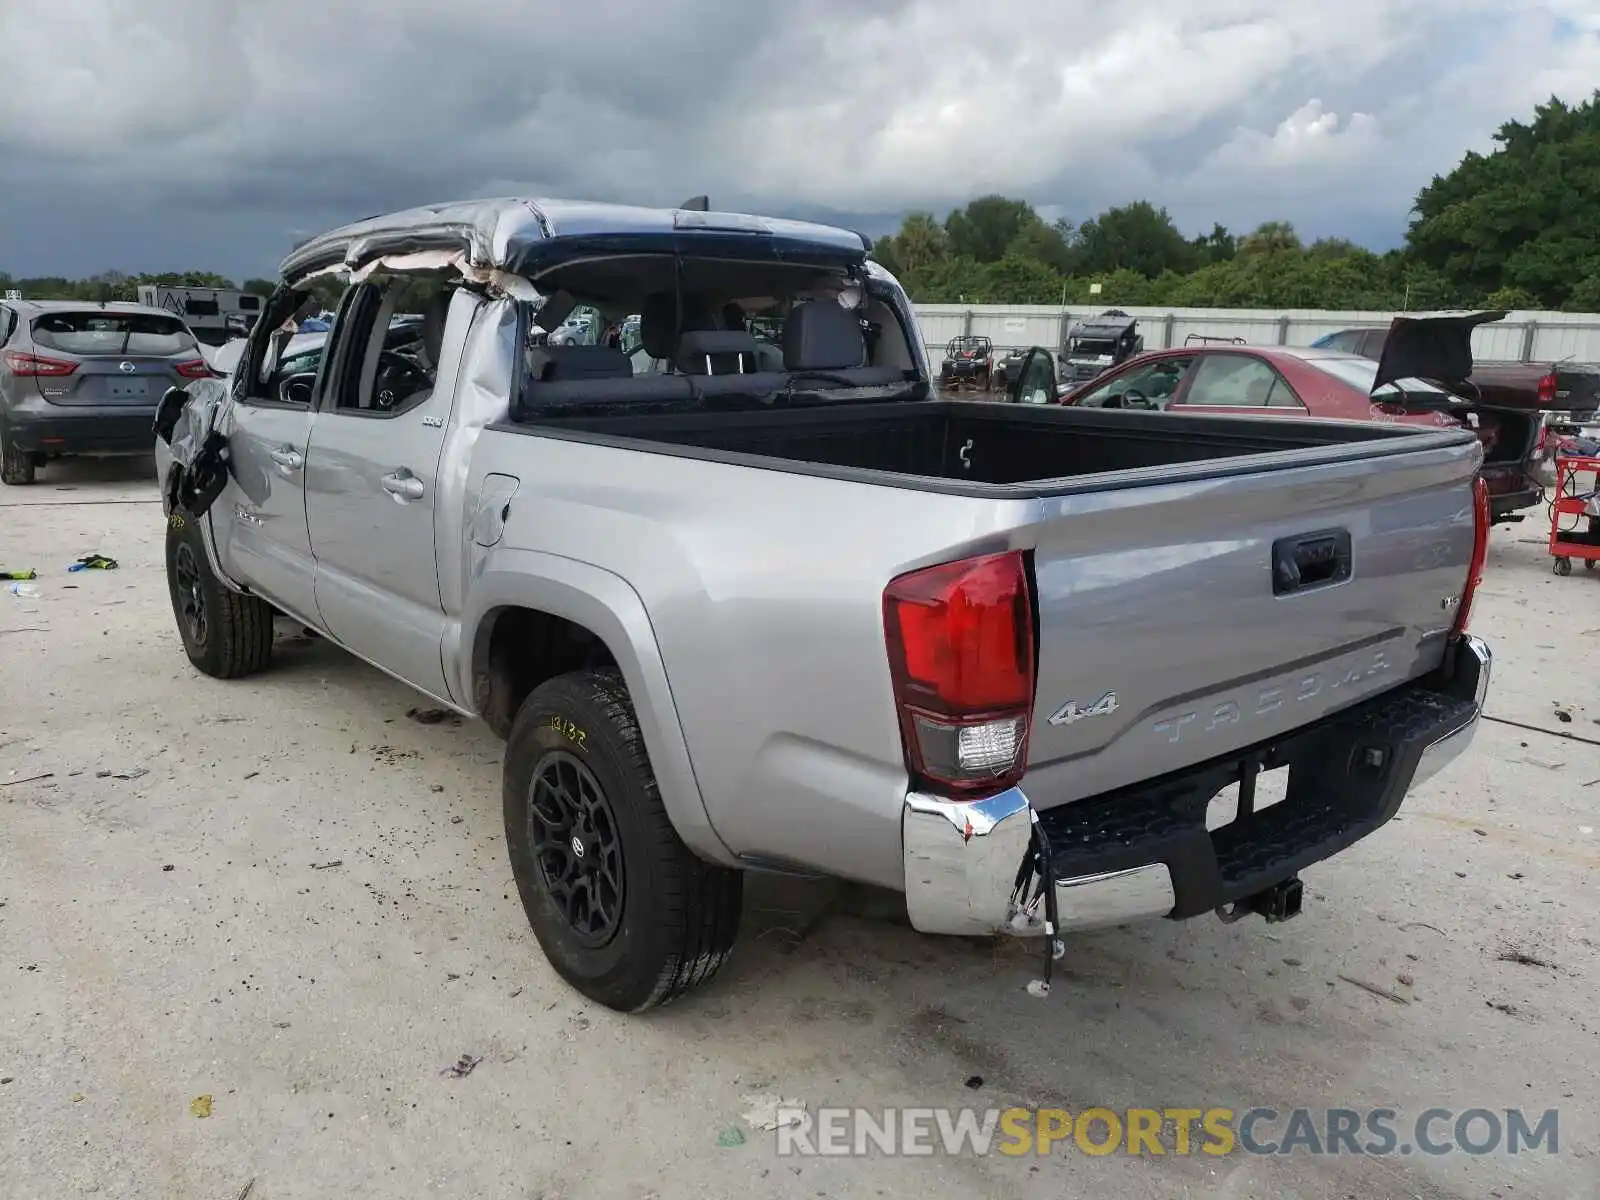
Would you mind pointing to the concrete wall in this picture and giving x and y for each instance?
(1521, 337)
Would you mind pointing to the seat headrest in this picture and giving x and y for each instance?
(557, 364)
(822, 335)
(659, 325)
(715, 352)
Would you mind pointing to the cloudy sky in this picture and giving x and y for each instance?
(213, 134)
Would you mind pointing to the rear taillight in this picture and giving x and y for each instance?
(1480, 555)
(19, 363)
(1547, 389)
(961, 655)
(194, 369)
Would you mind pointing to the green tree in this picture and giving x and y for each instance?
(988, 226)
(1332, 247)
(921, 243)
(1585, 294)
(1018, 280)
(1525, 215)
(1137, 237)
(1270, 237)
(1217, 246)
(1044, 244)
(1510, 298)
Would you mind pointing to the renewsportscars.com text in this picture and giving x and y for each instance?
(1179, 1132)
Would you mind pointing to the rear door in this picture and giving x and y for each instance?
(372, 481)
(1226, 382)
(121, 359)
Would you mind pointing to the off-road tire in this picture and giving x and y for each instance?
(235, 638)
(679, 915)
(16, 466)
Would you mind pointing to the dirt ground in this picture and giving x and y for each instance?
(287, 896)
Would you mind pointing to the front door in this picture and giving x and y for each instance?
(371, 477)
(1036, 379)
(259, 520)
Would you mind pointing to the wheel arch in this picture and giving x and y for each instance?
(532, 616)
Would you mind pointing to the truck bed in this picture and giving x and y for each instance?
(986, 447)
(1153, 544)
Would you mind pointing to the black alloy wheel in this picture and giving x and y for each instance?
(573, 836)
(190, 595)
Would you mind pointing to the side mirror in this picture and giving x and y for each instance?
(297, 389)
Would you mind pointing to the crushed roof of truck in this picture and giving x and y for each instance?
(527, 236)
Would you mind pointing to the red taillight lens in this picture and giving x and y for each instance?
(1480, 555)
(1547, 389)
(19, 363)
(194, 369)
(961, 655)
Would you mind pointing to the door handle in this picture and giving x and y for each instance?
(403, 485)
(1310, 560)
(288, 458)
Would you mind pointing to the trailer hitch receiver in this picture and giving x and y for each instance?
(1277, 903)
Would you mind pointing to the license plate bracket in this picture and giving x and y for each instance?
(127, 389)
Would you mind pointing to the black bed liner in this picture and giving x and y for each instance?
(990, 449)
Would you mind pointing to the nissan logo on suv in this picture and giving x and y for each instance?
(127, 368)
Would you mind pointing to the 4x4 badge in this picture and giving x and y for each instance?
(1072, 712)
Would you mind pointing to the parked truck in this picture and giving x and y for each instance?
(814, 620)
(1093, 345)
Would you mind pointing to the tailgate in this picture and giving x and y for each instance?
(1577, 388)
(134, 381)
(1172, 628)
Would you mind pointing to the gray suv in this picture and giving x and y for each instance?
(79, 378)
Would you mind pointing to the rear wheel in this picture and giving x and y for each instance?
(623, 910)
(225, 634)
(16, 466)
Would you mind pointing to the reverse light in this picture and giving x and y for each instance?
(19, 363)
(1480, 555)
(960, 639)
(196, 368)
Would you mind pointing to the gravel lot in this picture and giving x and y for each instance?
(285, 895)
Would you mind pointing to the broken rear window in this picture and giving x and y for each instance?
(96, 332)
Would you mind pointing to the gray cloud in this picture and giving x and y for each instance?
(219, 138)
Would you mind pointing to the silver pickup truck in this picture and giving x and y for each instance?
(763, 601)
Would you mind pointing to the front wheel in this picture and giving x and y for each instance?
(225, 634)
(1562, 566)
(623, 910)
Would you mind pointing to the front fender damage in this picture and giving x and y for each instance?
(188, 425)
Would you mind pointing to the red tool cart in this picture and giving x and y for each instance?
(1575, 502)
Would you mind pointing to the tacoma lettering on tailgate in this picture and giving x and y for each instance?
(1264, 701)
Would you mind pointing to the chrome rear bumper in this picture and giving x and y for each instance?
(964, 860)
(1474, 663)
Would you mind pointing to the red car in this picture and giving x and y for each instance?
(1292, 381)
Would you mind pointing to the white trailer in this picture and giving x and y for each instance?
(214, 314)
